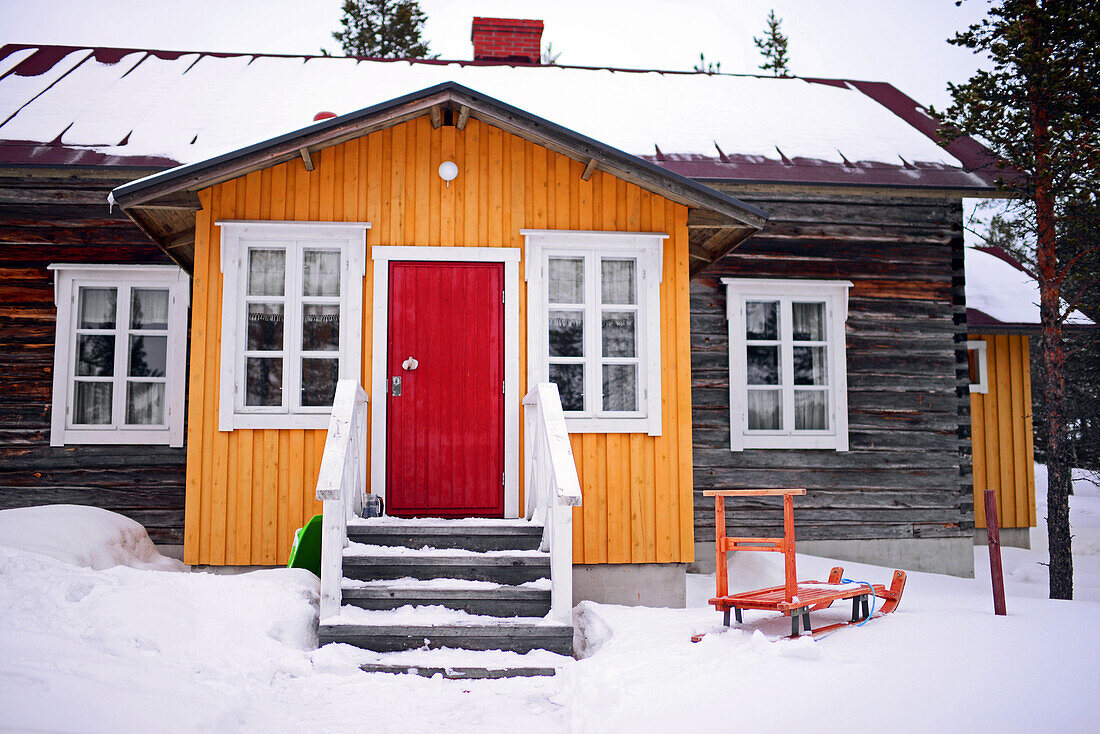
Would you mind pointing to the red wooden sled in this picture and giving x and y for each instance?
(795, 599)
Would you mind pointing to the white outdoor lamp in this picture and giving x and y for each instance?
(448, 171)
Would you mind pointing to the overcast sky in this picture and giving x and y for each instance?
(899, 41)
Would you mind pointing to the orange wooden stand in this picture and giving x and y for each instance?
(794, 599)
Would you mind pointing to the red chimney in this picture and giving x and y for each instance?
(507, 40)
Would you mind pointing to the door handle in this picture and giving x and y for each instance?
(396, 386)
(409, 364)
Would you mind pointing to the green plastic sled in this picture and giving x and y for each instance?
(306, 551)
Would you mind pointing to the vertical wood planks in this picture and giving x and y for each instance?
(249, 490)
(1001, 433)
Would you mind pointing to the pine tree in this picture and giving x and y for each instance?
(1038, 111)
(385, 29)
(774, 47)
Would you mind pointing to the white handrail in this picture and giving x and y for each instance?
(553, 489)
(341, 485)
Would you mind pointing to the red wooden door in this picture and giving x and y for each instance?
(445, 432)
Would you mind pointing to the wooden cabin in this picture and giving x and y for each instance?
(534, 185)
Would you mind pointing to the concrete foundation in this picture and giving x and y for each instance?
(632, 584)
(952, 556)
(171, 551)
(1010, 537)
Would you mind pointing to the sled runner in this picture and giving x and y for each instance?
(795, 599)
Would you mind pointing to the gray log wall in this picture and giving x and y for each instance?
(907, 473)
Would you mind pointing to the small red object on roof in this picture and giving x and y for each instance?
(323, 116)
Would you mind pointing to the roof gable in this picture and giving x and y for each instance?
(161, 203)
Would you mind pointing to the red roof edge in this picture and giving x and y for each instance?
(974, 156)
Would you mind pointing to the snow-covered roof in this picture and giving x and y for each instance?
(1003, 294)
(66, 104)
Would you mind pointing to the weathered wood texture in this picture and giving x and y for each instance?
(65, 219)
(1004, 457)
(249, 489)
(907, 473)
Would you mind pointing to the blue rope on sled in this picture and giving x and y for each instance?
(872, 588)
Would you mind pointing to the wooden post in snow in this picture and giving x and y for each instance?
(993, 533)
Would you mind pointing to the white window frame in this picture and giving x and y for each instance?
(982, 360)
(834, 293)
(68, 279)
(647, 249)
(382, 256)
(237, 237)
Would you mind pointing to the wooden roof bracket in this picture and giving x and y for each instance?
(589, 169)
(436, 116)
(307, 160)
(463, 117)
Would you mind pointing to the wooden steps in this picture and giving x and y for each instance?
(508, 535)
(515, 636)
(502, 601)
(414, 586)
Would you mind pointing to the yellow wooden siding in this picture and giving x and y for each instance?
(1001, 434)
(249, 489)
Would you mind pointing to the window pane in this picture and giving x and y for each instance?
(809, 366)
(145, 403)
(811, 410)
(264, 381)
(762, 320)
(95, 355)
(265, 327)
(972, 366)
(808, 321)
(620, 387)
(266, 272)
(763, 365)
(566, 333)
(148, 308)
(570, 381)
(93, 403)
(97, 308)
(321, 328)
(148, 356)
(617, 281)
(566, 280)
(319, 378)
(765, 410)
(321, 273)
(618, 334)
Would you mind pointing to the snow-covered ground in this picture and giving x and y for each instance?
(129, 648)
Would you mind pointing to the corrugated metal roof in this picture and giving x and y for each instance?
(107, 106)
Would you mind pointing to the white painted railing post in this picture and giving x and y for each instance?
(340, 486)
(553, 489)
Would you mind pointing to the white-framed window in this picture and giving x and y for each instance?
(292, 320)
(593, 326)
(120, 354)
(788, 372)
(977, 362)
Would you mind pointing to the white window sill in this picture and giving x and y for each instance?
(612, 425)
(828, 442)
(278, 421)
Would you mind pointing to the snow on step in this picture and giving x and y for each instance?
(355, 549)
(457, 663)
(440, 522)
(426, 615)
(410, 583)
